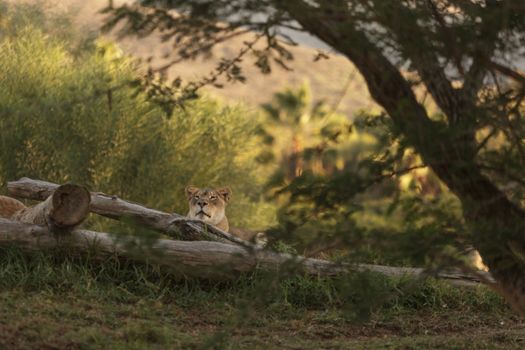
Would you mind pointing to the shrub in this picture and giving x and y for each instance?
(76, 118)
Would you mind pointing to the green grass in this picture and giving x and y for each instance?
(52, 301)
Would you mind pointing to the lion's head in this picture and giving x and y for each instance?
(209, 205)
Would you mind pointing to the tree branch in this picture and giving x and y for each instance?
(448, 36)
(386, 84)
(422, 56)
(490, 28)
(509, 72)
(200, 49)
(504, 173)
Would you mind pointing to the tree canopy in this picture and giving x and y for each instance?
(465, 55)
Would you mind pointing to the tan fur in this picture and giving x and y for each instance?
(475, 260)
(9, 206)
(249, 235)
(209, 205)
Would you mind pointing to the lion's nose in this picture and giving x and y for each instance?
(202, 204)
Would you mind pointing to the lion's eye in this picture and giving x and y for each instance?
(213, 198)
(197, 197)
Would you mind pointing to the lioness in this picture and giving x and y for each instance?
(9, 206)
(209, 205)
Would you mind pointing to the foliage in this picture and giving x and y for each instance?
(82, 115)
(55, 21)
(364, 211)
(303, 136)
(483, 30)
(465, 55)
(77, 118)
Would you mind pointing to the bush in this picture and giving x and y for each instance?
(76, 118)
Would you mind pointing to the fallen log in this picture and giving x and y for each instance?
(203, 258)
(64, 209)
(198, 258)
(244, 256)
(110, 206)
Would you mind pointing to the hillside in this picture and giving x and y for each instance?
(326, 77)
(329, 78)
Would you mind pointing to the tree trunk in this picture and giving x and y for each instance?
(449, 149)
(116, 208)
(199, 258)
(499, 225)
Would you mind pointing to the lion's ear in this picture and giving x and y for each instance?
(190, 190)
(225, 193)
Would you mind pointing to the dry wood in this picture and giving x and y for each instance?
(64, 208)
(187, 255)
(198, 258)
(113, 207)
(203, 258)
